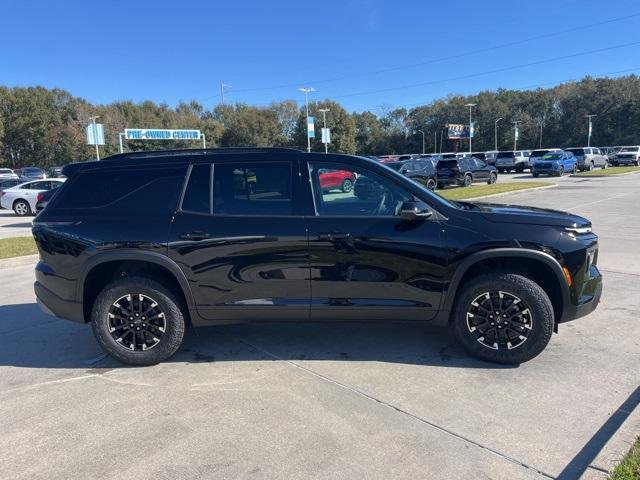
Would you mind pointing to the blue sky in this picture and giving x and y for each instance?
(366, 54)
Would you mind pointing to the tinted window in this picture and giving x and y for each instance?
(447, 164)
(372, 194)
(39, 186)
(629, 149)
(505, 155)
(197, 195)
(153, 190)
(252, 189)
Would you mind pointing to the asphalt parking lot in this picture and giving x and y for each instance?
(333, 401)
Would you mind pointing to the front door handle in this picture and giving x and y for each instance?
(197, 235)
(334, 236)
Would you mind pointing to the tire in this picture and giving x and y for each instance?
(590, 166)
(520, 168)
(468, 180)
(168, 303)
(535, 321)
(534, 175)
(21, 208)
(492, 179)
(561, 172)
(575, 169)
(347, 185)
(605, 165)
(431, 184)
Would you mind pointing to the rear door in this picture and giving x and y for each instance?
(241, 242)
(366, 262)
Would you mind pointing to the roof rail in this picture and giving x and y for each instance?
(200, 151)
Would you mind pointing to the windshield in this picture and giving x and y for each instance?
(539, 153)
(629, 149)
(552, 156)
(31, 170)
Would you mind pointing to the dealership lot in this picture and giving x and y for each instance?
(333, 401)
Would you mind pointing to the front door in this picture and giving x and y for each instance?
(366, 262)
(240, 244)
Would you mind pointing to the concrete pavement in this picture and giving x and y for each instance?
(333, 401)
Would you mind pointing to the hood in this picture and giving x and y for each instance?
(530, 215)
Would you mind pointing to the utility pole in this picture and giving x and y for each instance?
(515, 134)
(435, 141)
(422, 132)
(541, 127)
(95, 134)
(495, 132)
(590, 128)
(306, 91)
(470, 105)
(324, 125)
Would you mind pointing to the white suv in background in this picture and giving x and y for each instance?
(22, 198)
(627, 156)
(7, 174)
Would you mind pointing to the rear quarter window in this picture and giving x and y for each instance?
(128, 190)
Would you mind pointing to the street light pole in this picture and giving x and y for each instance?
(324, 125)
(95, 134)
(589, 136)
(435, 141)
(515, 134)
(422, 132)
(306, 91)
(470, 105)
(495, 132)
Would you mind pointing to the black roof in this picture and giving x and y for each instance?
(167, 156)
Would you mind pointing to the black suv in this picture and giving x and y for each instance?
(142, 245)
(465, 171)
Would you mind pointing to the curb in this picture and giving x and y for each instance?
(577, 175)
(19, 261)
(621, 441)
(493, 195)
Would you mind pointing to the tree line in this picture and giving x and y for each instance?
(45, 127)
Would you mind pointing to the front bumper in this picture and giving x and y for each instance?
(589, 298)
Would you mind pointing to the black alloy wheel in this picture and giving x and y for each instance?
(136, 322)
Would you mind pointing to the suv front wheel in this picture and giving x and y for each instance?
(138, 321)
(503, 317)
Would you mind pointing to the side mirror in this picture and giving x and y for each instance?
(414, 210)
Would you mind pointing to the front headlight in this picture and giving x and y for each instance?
(578, 230)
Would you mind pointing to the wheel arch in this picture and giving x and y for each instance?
(105, 267)
(542, 267)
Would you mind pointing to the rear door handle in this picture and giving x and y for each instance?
(197, 235)
(334, 236)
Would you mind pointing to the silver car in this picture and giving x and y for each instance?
(589, 158)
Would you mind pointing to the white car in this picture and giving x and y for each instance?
(7, 174)
(22, 198)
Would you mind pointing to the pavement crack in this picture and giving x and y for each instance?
(620, 273)
(396, 408)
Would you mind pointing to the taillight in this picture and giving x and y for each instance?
(40, 197)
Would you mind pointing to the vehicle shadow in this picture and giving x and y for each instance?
(17, 225)
(31, 339)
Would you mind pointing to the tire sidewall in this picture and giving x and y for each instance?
(525, 289)
(27, 210)
(347, 185)
(175, 320)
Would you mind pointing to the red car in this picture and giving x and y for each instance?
(336, 179)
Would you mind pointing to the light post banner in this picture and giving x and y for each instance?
(311, 131)
(95, 134)
(472, 128)
(326, 135)
(517, 133)
(161, 134)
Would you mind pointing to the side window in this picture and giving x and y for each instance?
(139, 191)
(262, 188)
(39, 186)
(197, 195)
(480, 163)
(371, 195)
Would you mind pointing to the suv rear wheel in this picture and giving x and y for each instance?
(492, 178)
(468, 180)
(138, 321)
(503, 317)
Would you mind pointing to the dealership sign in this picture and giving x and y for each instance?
(456, 131)
(160, 134)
